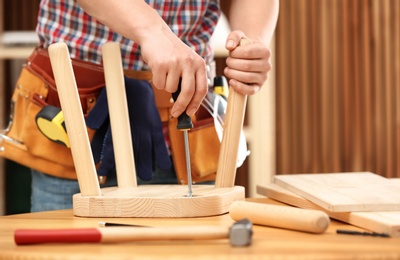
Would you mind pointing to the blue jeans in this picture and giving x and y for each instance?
(53, 193)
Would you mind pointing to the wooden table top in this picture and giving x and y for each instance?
(267, 243)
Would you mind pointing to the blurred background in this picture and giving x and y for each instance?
(338, 86)
(332, 103)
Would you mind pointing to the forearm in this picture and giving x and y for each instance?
(167, 56)
(134, 19)
(248, 66)
(256, 18)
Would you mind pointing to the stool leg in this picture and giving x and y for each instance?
(75, 123)
(119, 115)
(234, 117)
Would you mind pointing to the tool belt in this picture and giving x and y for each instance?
(25, 144)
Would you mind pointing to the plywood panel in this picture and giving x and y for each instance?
(387, 222)
(343, 192)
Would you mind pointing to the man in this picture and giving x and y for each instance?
(170, 38)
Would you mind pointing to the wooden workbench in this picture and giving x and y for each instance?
(267, 242)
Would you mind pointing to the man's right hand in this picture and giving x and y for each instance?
(167, 56)
(169, 60)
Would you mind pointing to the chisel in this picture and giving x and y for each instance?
(185, 124)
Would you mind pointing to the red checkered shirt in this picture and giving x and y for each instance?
(63, 20)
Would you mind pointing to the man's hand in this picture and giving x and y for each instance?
(169, 60)
(167, 56)
(247, 66)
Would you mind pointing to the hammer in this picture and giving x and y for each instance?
(239, 234)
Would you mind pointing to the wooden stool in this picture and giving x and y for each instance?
(129, 199)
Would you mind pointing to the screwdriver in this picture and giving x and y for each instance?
(185, 124)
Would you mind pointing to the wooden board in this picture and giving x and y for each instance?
(157, 201)
(387, 222)
(344, 192)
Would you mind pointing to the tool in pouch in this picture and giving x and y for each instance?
(50, 121)
(185, 124)
(221, 87)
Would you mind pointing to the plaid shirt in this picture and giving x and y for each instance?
(63, 20)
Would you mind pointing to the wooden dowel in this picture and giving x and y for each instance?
(75, 123)
(119, 115)
(233, 125)
(119, 234)
(308, 220)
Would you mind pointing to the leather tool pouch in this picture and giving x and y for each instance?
(23, 142)
(204, 143)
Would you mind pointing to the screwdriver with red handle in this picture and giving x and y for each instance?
(185, 124)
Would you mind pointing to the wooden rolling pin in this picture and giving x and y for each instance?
(313, 221)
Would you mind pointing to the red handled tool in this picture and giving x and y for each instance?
(239, 234)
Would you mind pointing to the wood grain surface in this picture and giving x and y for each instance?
(344, 192)
(268, 242)
(155, 201)
(387, 222)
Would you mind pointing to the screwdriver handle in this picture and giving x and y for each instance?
(184, 121)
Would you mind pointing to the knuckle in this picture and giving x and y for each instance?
(202, 92)
(186, 95)
(269, 66)
(188, 59)
(248, 78)
(266, 52)
(157, 84)
(267, 63)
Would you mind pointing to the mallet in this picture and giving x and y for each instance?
(239, 234)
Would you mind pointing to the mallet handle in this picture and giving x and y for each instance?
(118, 234)
(75, 124)
(313, 221)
